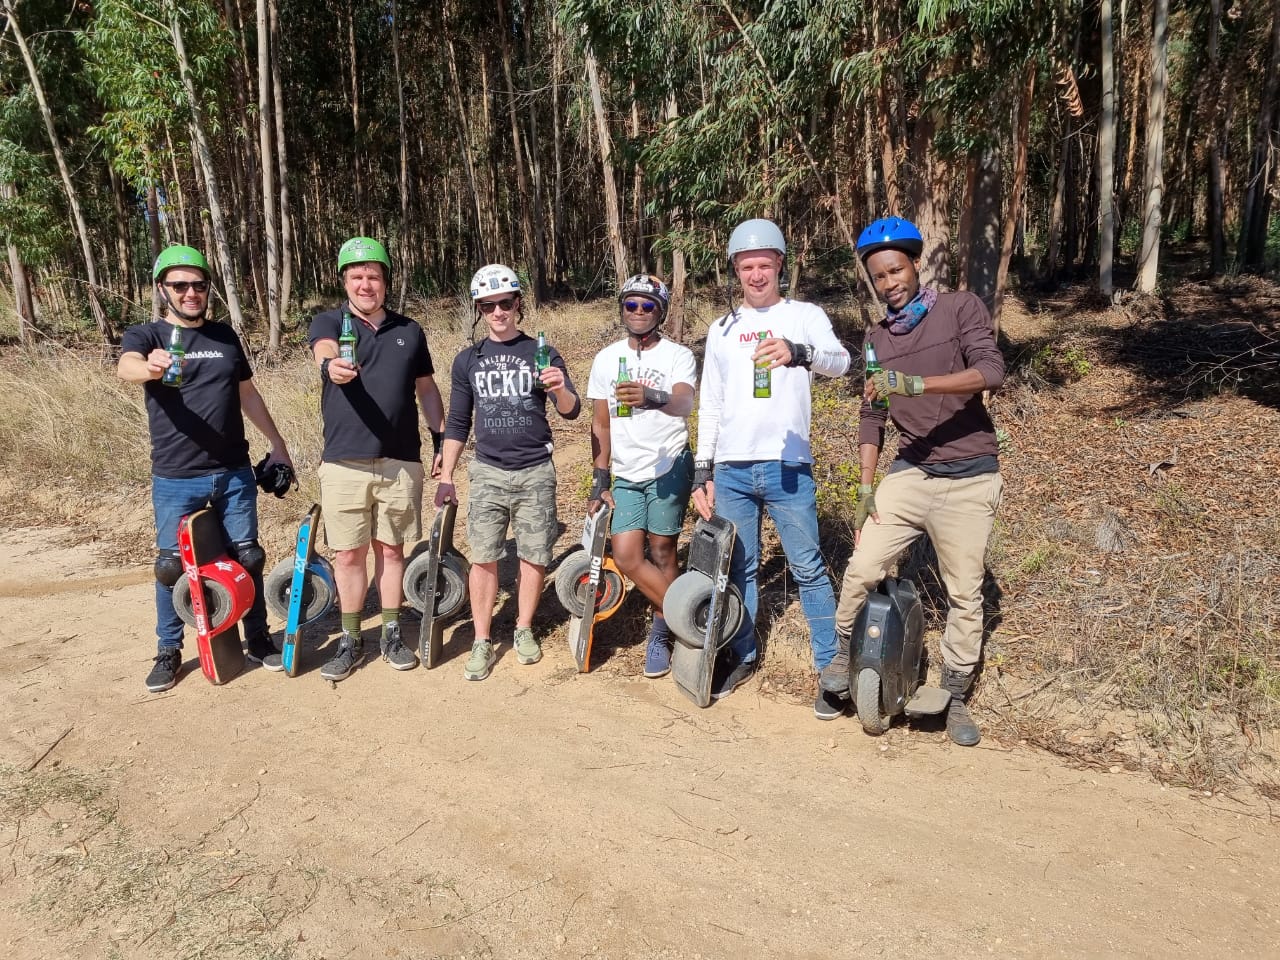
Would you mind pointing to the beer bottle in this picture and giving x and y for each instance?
(347, 339)
(873, 366)
(624, 409)
(542, 355)
(173, 376)
(762, 381)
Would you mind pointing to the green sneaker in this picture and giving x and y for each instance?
(528, 650)
(480, 664)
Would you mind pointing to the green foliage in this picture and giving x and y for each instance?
(1060, 364)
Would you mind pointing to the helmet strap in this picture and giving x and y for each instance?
(169, 306)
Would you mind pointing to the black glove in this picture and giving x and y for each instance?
(601, 480)
(703, 472)
(801, 353)
(277, 478)
(653, 399)
(437, 442)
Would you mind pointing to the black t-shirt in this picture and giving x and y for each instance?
(376, 414)
(495, 382)
(196, 428)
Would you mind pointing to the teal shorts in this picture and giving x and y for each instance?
(656, 505)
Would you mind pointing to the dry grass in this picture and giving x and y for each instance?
(1134, 602)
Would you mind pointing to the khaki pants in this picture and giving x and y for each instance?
(957, 514)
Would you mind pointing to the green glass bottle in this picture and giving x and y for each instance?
(873, 366)
(347, 339)
(177, 352)
(624, 409)
(542, 355)
(762, 380)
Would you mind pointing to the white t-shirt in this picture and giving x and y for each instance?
(734, 424)
(644, 445)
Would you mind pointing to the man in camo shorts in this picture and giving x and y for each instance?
(498, 387)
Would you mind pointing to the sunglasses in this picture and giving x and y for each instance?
(182, 286)
(639, 306)
(488, 306)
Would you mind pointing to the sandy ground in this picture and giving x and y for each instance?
(543, 813)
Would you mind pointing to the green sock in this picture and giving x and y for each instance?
(351, 623)
(390, 616)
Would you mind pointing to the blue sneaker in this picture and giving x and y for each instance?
(657, 657)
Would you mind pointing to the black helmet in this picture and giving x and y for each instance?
(277, 478)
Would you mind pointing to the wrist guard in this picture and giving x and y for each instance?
(653, 399)
(324, 369)
(437, 442)
(703, 471)
(601, 480)
(801, 354)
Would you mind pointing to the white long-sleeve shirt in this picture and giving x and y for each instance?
(735, 425)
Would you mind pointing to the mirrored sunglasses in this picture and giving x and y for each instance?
(639, 306)
(182, 286)
(488, 306)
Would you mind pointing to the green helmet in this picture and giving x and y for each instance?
(363, 250)
(180, 256)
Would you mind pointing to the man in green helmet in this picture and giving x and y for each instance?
(198, 387)
(373, 364)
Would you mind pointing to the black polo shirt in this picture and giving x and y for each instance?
(376, 414)
(196, 428)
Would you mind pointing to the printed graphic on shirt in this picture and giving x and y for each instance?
(503, 387)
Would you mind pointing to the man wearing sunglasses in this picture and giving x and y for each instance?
(647, 449)
(371, 472)
(498, 388)
(753, 451)
(199, 453)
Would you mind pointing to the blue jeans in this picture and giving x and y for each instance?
(233, 495)
(743, 492)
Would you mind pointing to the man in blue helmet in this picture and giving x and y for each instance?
(196, 402)
(938, 354)
(753, 450)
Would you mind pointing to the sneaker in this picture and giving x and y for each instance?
(480, 664)
(730, 673)
(828, 706)
(350, 650)
(273, 662)
(261, 647)
(164, 674)
(834, 677)
(528, 650)
(657, 657)
(394, 651)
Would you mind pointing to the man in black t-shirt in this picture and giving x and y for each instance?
(500, 384)
(371, 469)
(198, 384)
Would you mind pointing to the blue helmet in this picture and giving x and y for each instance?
(890, 233)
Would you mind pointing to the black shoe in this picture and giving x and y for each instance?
(961, 727)
(164, 674)
(730, 673)
(261, 647)
(828, 706)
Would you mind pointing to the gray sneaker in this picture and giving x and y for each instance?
(350, 650)
(480, 664)
(528, 650)
(394, 651)
(834, 677)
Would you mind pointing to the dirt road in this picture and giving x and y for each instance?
(546, 814)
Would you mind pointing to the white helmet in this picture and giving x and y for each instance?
(494, 278)
(756, 235)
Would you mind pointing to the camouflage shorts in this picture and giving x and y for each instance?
(525, 499)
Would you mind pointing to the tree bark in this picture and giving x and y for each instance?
(980, 273)
(210, 180)
(22, 301)
(286, 219)
(611, 210)
(265, 105)
(1014, 212)
(406, 229)
(464, 147)
(679, 272)
(1255, 209)
(522, 178)
(78, 222)
(1106, 158)
(122, 245)
(1216, 147)
(1153, 174)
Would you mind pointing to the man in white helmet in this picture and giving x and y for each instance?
(753, 451)
(499, 388)
(642, 464)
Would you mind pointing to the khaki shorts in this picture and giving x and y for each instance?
(377, 499)
(525, 499)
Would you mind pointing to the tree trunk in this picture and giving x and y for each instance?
(122, 246)
(464, 146)
(22, 302)
(210, 180)
(1153, 173)
(541, 290)
(1057, 213)
(78, 222)
(1255, 210)
(1216, 147)
(357, 179)
(286, 219)
(522, 178)
(675, 314)
(930, 199)
(406, 229)
(1014, 212)
(611, 210)
(265, 104)
(1106, 158)
(984, 226)
(559, 256)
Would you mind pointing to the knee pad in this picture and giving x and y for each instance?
(168, 567)
(249, 555)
